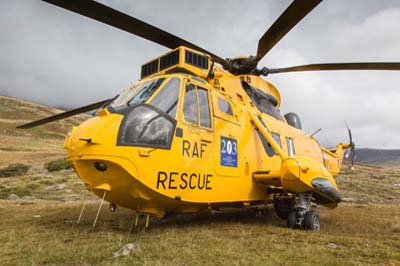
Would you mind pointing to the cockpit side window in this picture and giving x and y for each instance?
(167, 99)
(146, 91)
(224, 106)
(190, 108)
(204, 107)
(196, 108)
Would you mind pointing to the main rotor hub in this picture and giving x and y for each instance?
(242, 65)
(245, 66)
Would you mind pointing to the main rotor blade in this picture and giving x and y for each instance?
(289, 18)
(112, 17)
(338, 66)
(65, 114)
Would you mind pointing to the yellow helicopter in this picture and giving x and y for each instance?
(201, 132)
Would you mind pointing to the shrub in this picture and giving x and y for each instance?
(16, 169)
(57, 165)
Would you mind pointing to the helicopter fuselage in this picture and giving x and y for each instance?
(187, 144)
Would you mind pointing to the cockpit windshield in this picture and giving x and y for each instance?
(145, 91)
(138, 95)
(149, 121)
(122, 97)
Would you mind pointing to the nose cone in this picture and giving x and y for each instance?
(94, 135)
(324, 186)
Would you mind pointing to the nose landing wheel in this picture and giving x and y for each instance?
(301, 216)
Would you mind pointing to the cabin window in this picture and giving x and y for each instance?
(191, 109)
(204, 108)
(146, 91)
(290, 147)
(267, 147)
(224, 106)
(196, 106)
(167, 99)
(277, 139)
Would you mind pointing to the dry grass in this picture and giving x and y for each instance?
(368, 184)
(365, 235)
(43, 231)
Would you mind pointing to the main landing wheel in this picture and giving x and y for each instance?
(312, 221)
(292, 219)
(283, 207)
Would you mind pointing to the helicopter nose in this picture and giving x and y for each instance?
(96, 133)
(324, 186)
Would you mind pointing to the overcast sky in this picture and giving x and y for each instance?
(52, 56)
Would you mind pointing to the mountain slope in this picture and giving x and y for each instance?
(31, 146)
(378, 157)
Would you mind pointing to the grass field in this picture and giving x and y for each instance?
(40, 227)
(43, 230)
(46, 233)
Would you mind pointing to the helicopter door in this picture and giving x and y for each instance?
(198, 135)
(227, 136)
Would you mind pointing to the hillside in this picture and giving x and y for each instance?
(378, 157)
(28, 145)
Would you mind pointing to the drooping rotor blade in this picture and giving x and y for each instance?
(338, 66)
(117, 19)
(66, 114)
(289, 18)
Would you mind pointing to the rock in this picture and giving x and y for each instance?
(371, 175)
(40, 176)
(332, 245)
(126, 250)
(36, 216)
(348, 199)
(29, 198)
(37, 168)
(67, 190)
(13, 197)
(56, 187)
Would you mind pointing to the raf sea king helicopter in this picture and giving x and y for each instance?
(201, 132)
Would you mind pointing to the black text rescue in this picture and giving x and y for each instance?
(175, 180)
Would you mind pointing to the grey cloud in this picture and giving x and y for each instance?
(59, 58)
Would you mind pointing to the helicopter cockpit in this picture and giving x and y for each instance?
(151, 124)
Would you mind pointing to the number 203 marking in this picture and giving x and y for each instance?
(229, 147)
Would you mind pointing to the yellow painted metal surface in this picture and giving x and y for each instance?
(193, 173)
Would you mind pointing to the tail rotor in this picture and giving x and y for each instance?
(352, 146)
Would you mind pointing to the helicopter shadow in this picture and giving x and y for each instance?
(122, 221)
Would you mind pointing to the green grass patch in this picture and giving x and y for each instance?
(17, 169)
(57, 165)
